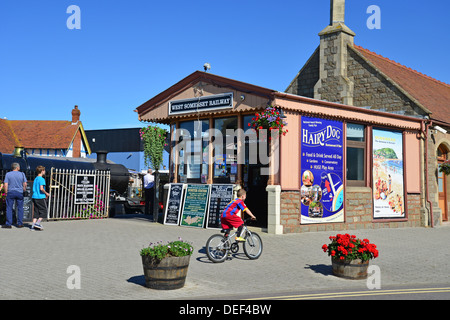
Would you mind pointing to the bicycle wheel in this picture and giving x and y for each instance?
(253, 246)
(216, 248)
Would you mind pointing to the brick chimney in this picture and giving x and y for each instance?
(75, 115)
(76, 144)
(333, 84)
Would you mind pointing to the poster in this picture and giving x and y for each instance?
(173, 205)
(388, 190)
(322, 188)
(195, 205)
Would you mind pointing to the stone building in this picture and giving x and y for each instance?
(340, 71)
(366, 137)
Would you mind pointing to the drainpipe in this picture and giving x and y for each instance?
(425, 132)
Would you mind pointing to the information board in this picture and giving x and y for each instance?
(84, 188)
(173, 205)
(220, 196)
(195, 205)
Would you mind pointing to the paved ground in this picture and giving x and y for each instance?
(34, 265)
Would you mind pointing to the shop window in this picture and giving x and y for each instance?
(193, 158)
(356, 155)
(225, 162)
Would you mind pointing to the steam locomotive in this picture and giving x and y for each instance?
(119, 173)
(122, 198)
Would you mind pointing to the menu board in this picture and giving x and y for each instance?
(173, 205)
(195, 205)
(220, 196)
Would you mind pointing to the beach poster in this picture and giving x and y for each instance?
(388, 189)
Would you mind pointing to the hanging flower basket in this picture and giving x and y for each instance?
(269, 119)
(154, 139)
(445, 167)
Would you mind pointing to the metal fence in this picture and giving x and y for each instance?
(78, 194)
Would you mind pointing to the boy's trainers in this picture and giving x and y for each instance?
(38, 227)
(240, 239)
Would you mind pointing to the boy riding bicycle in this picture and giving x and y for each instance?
(230, 216)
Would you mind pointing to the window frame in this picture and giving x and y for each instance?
(357, 145)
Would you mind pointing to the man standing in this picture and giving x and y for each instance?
(149, 182)
(15, 184)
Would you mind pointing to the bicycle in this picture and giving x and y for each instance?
(218, 247)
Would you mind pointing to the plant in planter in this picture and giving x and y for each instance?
(269, 119)
(350, 256)
(166, 265)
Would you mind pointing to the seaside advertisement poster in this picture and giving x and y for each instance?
(388, 190)
(322, 188)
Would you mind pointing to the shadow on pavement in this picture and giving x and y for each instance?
(323, 269)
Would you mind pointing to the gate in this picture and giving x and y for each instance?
(78, 194)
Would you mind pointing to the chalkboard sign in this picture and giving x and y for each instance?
(84, 189)
(195, 205)
(27, 204)
(173, 205)
(220, 196)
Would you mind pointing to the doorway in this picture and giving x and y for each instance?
(256, 194)
(442, 183)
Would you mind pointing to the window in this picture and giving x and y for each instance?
(193, 165)
(225, 164)
(356, 151)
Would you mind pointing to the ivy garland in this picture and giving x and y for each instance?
(154, 139)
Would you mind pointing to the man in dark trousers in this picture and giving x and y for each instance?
(149, 183)
(15, 184)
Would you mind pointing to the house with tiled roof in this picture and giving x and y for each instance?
(340, 71)
(45, 137)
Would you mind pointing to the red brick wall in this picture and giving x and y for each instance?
(358, 213)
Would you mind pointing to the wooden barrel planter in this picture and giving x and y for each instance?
(168, 274)
(353, 269)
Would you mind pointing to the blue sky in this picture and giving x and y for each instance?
(126, 52)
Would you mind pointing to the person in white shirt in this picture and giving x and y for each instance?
(149, 182)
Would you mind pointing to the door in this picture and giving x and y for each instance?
(442, 184)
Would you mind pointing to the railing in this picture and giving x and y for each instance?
(78, 194)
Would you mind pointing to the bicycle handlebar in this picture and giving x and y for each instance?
(248, 219)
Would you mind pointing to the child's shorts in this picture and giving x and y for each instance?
(40, 208)
(231, 221)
